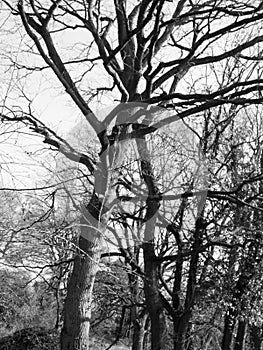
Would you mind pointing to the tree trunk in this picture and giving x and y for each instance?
(138, 316)
(147, 335)
(153, 300)
(78, 303)
(138, 333)
(77, 308)
(189, 337)
(230, 320)
(181, 323)
(255, 337)
(180, 331)
(241, 335)
(151, 267)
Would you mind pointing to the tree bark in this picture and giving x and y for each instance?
(247, 273)
(151, 267)
(151, 290)
(78, 303)
(181, 322)
(77, 308)
(93, 223)
(255, 337)
(180, 330)
(138, 333)
(241, 335)
(153, 301)
(229, 324)
(138, 317)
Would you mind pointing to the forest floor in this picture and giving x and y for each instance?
(41, 339)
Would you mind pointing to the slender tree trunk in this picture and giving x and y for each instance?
(230, 321)
(138, 333)
(255, 337)
(240, 289)
(147, 335)
(137, 337)
(210, 342)
(151, 267)
(181, 324)
(241, 335)
(137, 317)
(207, 342)
(189, 338)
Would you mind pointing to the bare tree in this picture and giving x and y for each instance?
(190, 58)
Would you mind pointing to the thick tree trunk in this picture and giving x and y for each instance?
(77, 308)
(180, 331)
(78, 303)
(153, 300)
(241, 335)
